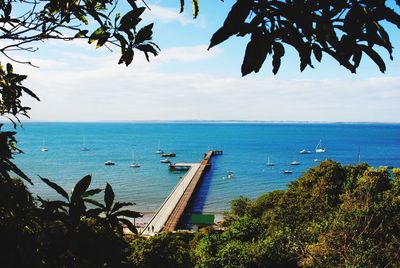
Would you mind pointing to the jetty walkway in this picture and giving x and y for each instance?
(171, 210)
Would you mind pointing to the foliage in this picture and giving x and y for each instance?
(62, 233)
(332, 216)
(344, 29)
(165, 250)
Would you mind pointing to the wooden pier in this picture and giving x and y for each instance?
(168, 215)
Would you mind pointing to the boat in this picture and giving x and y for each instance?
(168, 155)
(84, 148)
(269, 163)
(134, 163)
(316, 160)
(304, 151)
(109, 163)
(165, 161)
(229, 174)
(319, 148)
(44, 148)
(159, 151)
(175, 167)
(294, 163)
(287, 171)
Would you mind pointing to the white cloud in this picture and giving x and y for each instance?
(187, 54)
(166, 15)
(113, 92)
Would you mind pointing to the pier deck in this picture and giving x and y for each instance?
(168, 215)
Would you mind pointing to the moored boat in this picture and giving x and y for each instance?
(168, 155)
(109, 163)
(319, 148)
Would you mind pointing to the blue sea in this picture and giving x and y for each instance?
(246, 147)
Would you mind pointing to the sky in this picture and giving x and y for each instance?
(77, 82)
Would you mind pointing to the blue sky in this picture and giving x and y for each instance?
(76, 82)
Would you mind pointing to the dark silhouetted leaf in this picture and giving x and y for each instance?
(108, 196)
(81, 187)
(94, 202)
(144, 34)
(119, 205)
(56, 187)
(92, 192)
(130, 225)
(128, 213)
(375, 57)
(317, 52)
(233, 22)
(95, 212)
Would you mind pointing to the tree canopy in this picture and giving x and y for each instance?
(343, 29)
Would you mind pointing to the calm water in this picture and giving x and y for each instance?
(246, 149)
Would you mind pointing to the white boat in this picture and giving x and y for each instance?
(109, 163)
(316, 160)
(159, 151)
(84, 148)
(287, 171)
(269, 163)
(44, 148)
(319, 148)
(229, 174)
(304, 151)
(134, 164)
(294, 163)
(165, 161)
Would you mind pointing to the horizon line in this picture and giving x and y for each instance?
(209, 121)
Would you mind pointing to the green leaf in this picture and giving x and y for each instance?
(130, 225)
(195, 8)
(109, 197)
(81, 34)
(56, 187)
(83, 19)
(98, 33)
(80, 188)
(102, 40)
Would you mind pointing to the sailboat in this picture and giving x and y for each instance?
(269, 163)
(134, 163)
(44, 148)
(358, 160)
(159, 151)
(84, 148)
(319, 148)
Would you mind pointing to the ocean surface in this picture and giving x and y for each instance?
(246, 147)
